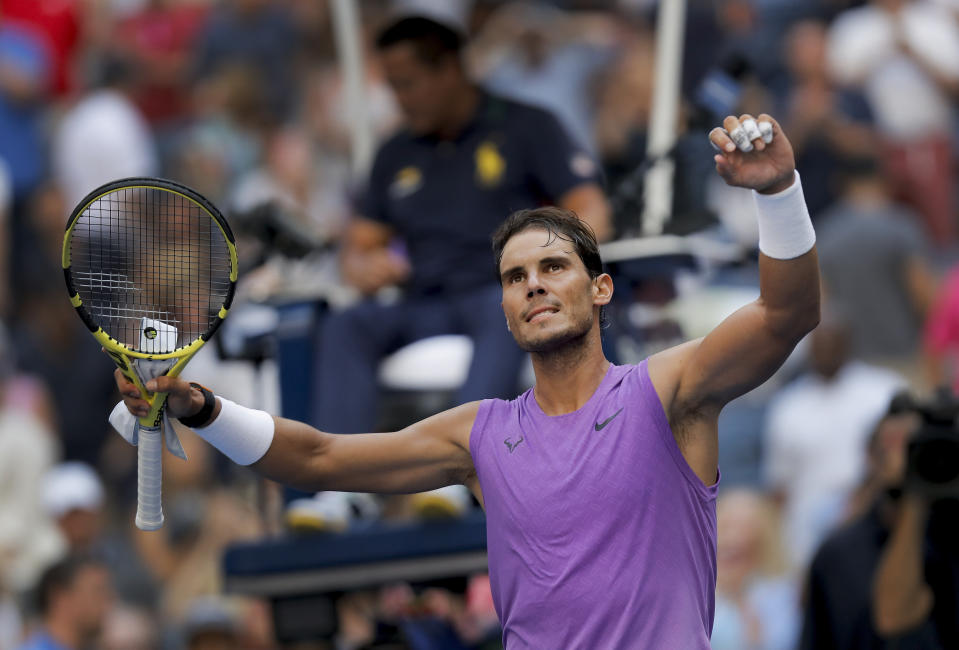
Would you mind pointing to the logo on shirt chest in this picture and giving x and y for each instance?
(512, 445)
(407, 180)
(599, 426)
(490, 165)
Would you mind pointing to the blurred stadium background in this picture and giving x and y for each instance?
(273, 109)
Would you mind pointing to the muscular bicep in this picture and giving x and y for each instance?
(429, 454)
(750, 345)
(739, 355)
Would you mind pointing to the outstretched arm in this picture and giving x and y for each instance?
(695, 380)
(429, 454)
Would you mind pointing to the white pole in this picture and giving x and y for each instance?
(346, 31)
(658, 194)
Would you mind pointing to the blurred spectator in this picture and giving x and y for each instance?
(941, 336)
(428, 619)
(11, 621)
(28, 448)
(539, 55)
(326, 112)
(129, 628)
(73, 598)
(210, 625)
(25, 71)
(622, 116)
(465, 161)
(51, 342)
(749, 45)
(756, 604)
(291, 187)
(904, 55)
(623, 107)
(873, 258)
(314, 25)
(74, 499)
(103, 137)
(6, 219)
(59, 24)
(256, 34)
(225, 140)
(826, 124)
(816, 430)
(216, 622)
(890, 578)
(158, 41)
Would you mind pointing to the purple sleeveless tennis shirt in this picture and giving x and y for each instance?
(600, 536)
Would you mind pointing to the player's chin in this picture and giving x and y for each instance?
(546, 341)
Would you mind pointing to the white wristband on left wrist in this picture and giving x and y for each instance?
(785, 228)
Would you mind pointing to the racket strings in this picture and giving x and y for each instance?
(148, 253)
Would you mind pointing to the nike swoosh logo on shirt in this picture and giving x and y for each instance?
(601, 425)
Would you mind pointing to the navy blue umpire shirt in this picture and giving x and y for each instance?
(445, 198)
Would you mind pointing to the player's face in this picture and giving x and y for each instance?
(548, 297)
(421, 90)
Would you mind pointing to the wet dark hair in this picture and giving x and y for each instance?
(431, 41)
(560, 224)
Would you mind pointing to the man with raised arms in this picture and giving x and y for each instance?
(599, 483)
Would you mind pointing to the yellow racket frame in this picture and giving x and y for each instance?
(122, 354)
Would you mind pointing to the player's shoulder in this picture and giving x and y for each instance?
(498, 410)
(666, 367)
(455, 417)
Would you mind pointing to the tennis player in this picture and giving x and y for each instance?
(599, 483)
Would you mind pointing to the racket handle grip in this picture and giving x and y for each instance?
(149, 479)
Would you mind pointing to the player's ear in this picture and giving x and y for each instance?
(602, 289)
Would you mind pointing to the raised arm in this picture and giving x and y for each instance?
(429, 454)
(695, 380)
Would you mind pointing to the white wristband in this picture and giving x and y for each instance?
(242, 434)
(785, 229)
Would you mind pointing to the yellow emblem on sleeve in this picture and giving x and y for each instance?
(490, 165)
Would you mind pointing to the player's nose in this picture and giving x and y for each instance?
(534, 285)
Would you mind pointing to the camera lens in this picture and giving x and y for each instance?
(937, 461)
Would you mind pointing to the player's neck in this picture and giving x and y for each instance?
(567, 378)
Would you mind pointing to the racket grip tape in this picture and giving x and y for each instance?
(149, 479)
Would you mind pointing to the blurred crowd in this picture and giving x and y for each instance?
(246, 101)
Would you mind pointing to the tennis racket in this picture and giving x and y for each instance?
(151, 268)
